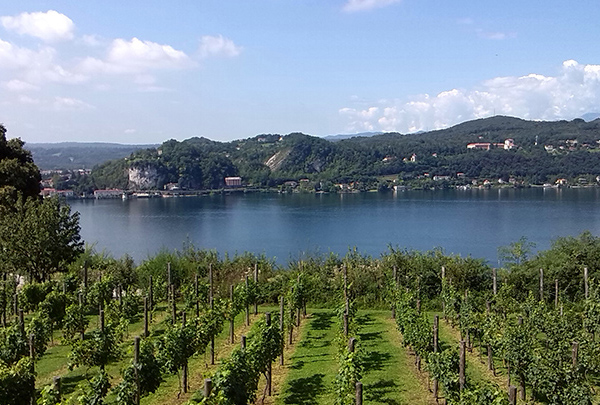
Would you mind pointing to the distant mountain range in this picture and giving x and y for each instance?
(76, 155)
(339, 137)
(79, 155)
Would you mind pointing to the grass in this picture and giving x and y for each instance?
(389, 377)
(313, 364)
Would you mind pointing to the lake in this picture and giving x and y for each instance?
(290, 226)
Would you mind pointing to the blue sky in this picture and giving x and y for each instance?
(147, 71)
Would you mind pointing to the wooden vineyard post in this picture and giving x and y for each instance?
(443, 302)
(207, 387)
(555, 293)
(145, 316)
(292, 323)
(196, 296)
(522, 380)
(359, 393)
(80, 300)
(32, 357)
(281, 325)
(16, 307)
(269, 374)
(541, 284)
(247, 304)
(4, 300)
(22, 322)
(231, 321)
(585, 282)
(436, 325)
(574, 352)
(461, 366)
(495, 280)
(173, 305)
(345, 323)
(169, 279)
(512, 395)
(212, 307)
(243, 342)
(136, 360)
(298, 310)
(255, 286)
(351, 345)
(185, 364)
(56, 386)
(394, 277)
(150, 295)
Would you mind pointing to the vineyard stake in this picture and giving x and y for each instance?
(247, 304)
(461, 366)
(512, 395)
(359, 393)
(281, 326)
(56, 385)
(136, 360)
(585, 282)
(255, 284)
(197, 298)
(436, 324)
(495, 279)
(541, 284)
(268, 322)
(574, 352)
(212, 306)
(231, 321)
(150, 295)
(173, 305)
(555, 293)
(145, 316)
(207, 387)
(21, 322)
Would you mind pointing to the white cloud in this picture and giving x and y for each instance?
(130, 131)
(218, 46)
(364, 5)
(50, 26)
(35, 67)
(17, 85)
(136, 56)
(70, 104)
(570, 94)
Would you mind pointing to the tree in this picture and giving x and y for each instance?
(18, 173)
(39, 237)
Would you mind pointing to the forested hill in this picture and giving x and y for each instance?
(542, 152)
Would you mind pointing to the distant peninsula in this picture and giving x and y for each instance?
(493, 152)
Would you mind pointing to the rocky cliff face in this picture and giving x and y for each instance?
(143, 177)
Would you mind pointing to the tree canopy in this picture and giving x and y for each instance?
(37, 236)
(18, 172)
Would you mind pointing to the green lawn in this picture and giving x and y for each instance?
(389, 375)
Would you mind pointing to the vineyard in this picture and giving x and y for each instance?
(190, 327)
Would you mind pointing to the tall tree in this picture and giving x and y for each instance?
(18, 172)
(37, 237)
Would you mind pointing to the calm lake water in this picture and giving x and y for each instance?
(287, 227)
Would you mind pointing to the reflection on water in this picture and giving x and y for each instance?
(472, 222)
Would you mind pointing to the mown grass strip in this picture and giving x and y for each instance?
(390, 375)
(313, 365)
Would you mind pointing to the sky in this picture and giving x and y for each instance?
(147, 71)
